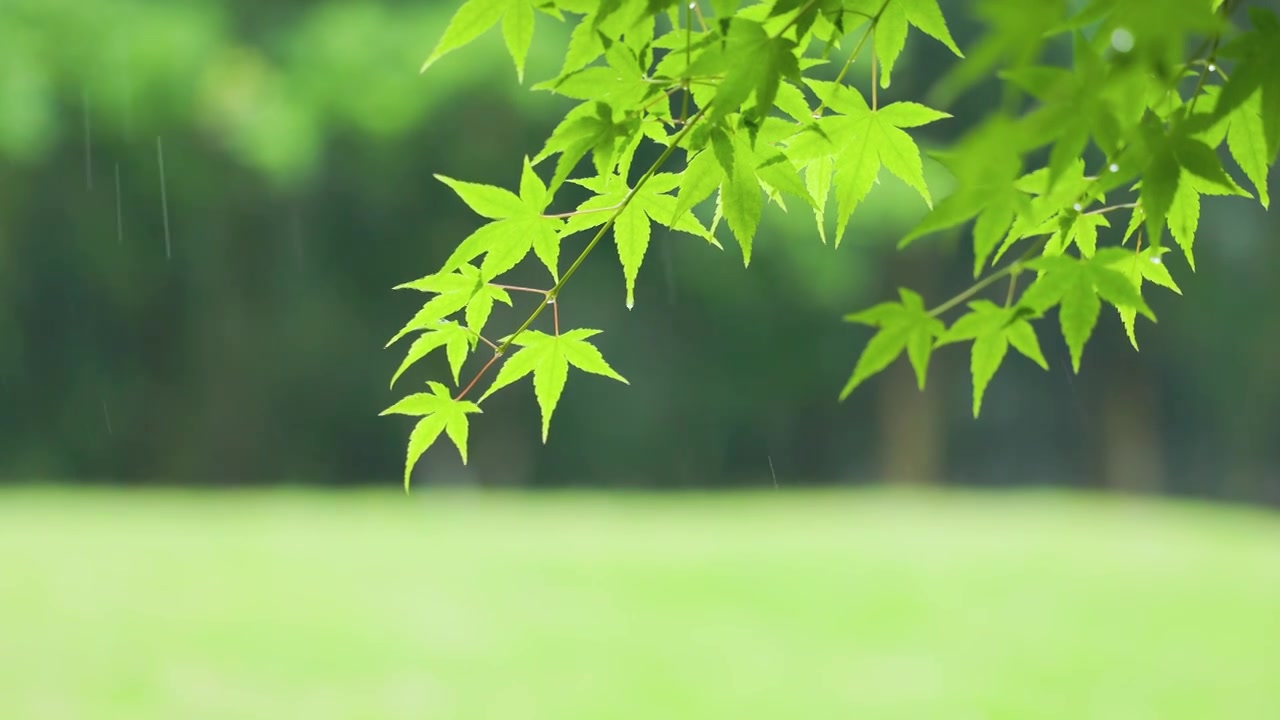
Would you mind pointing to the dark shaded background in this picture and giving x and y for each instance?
(299, 143)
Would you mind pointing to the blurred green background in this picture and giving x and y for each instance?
(203, 209)
(299, 143)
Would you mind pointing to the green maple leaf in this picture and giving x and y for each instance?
(753, 63)
(891, 30)
(1183, 217)
(741, 199)
(1078, 287)
(454, 291)
(1177, 160)
(439, 413)
(817, 180)
(740, 168)
(631, 229)
(904, 325)
(518, 226)
(477, 16)
(701, 176)
(1080, 229)
(621, 82)
(1074, 105)
(993, 329)
(588, 128)
(584, 46)
(456, 339)
(863, 140)
(548, 358)
(986, 166)
(1258, 54)
(1043, 213)
(1247, 141)
(776, 171)
(1146, 265)
(791, 100)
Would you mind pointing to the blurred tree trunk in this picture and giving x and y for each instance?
(912, 430)
(1132, 446)
(1251, 421)
(231, 410)
(912, 423)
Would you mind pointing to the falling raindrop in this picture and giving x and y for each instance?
(88, 140)
(164, 199)
(106, 414)
(119, 210)
(771, 472)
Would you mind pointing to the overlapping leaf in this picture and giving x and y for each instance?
(993, 329)
(477, 16)
(891, 30)
(1078, 287)
(440, 413)
(904, 325)
(631, 229)
(518, 226)
(547, 358)
(453, 291)
(1146, 265)
(863, 140)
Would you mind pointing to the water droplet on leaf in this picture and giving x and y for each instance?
(1122, 40)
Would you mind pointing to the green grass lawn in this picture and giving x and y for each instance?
(849, 606)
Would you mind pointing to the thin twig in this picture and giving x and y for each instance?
(666, 95)
(582, 256)
(1112, 208)
(496, 354)
(1013, 269)
(1010, 269)
(697, 10)
(518, 288)
(588, 211)
(871, 26)
(688, 61)
(484, 339)
(875, 102)
(807, 7)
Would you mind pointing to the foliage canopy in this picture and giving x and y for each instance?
(747, 101)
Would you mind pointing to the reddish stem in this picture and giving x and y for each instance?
(575, 213)
(517, 288)
(476, 379)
